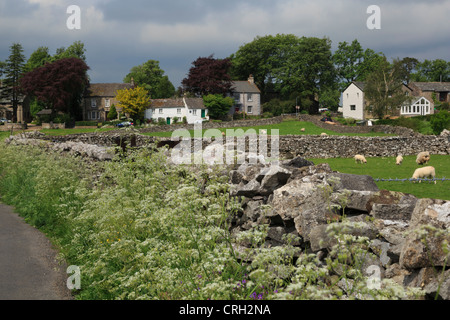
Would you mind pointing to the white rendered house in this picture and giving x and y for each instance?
(176, 109)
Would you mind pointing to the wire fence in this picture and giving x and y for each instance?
(410, 180)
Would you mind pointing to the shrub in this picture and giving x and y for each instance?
(440, 121)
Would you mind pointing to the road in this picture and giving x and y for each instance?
(29, 269)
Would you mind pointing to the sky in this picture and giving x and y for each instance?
(121, 34)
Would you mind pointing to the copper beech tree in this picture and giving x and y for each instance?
(60, 85)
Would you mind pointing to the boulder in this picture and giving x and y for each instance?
(354, 182)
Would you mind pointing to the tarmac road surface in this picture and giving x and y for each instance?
(29, 269)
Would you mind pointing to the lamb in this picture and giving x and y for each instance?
(360, 158)
(425, 172)
(399, 160)
(423, 158)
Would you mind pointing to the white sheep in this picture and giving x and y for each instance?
(425, 172)
(302, 129)
(399, 160)
(262, 131)
(423, 158)
(323, 134)
(360, 158)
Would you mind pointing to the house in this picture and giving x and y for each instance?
(356, 106)
(98, 99)
(6, 106)
(247, 97)
(433, 91)
(174, 110)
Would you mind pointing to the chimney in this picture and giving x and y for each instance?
(132, 82)
(251, 79)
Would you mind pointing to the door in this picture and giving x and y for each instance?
(168, 120)
(203, 113)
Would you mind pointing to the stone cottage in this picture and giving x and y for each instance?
(98, 99)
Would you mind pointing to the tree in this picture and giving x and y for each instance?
(59, 84)
(287, 67)
(13, 71)
(133, 101)
(353, 63)
(151, 77)
(218, 105)
(208, 76)
(112, 114)
(37, 59)
(432, 70)
(75, 50)
(260, 58)
(383, 87)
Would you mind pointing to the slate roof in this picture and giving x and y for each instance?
(244, 86)
(192, 103)
(105, 89)
(433, 86)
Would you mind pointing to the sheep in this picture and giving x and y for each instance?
(302, 129)
(360, 158)
(323, 134)
(262, 131)
(399, 160)
(423, 158)
(425, 172)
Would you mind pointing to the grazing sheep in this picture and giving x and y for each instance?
(302, 129)
(399, 160)
(323, 134)
(360, 158)
(425, 172)
(423, 158)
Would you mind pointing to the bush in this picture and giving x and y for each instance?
(440, 121)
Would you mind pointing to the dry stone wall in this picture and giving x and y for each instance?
(304, 202)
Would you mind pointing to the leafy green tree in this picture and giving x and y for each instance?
(260, 58)
(353, 63)
(151, 77)
(384, 87)
(13, 71)
(218, 105)
(286, 66)
(37, 59)
(112, 114)
(75, 50)
(432, 70)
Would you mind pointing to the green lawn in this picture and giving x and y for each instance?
(287, 127)
(386, 168)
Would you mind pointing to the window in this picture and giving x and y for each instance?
(107, 103)
(352, 107)
(237, 96)
(249, 97)
(194, 112)
(93, 103)
(178, 111)
(249, 109)
(94, 115)
(161, 111)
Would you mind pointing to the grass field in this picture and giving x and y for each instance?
(287, 127)
(386, 168)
